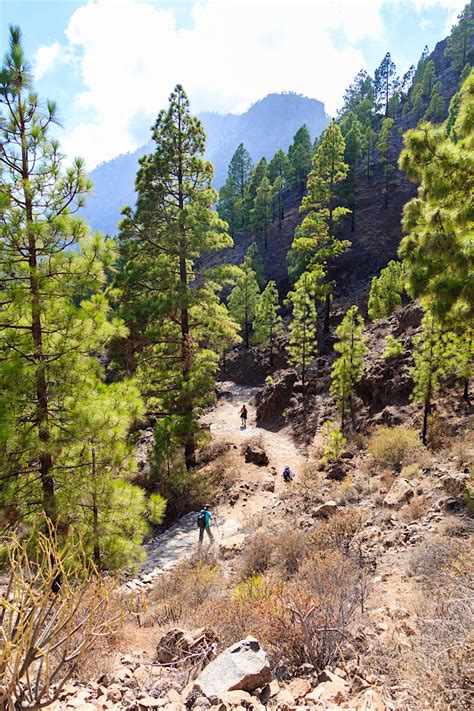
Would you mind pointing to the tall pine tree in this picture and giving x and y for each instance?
(53, 313)
(176, 320)
(349, 366)
(316, 237)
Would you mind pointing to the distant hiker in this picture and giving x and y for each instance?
(204, 524)
(243, 416)
(287, 474)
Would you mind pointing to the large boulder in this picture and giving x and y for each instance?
(275, 397)
(243, 666)
(256, 455)
(400, 492)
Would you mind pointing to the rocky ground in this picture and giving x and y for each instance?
(405, 533)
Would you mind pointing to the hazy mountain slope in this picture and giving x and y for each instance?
(266, 126)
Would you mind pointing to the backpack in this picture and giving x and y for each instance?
(201, 519)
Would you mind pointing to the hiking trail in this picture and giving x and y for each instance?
(180, 540)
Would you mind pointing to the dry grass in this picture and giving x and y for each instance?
(395, 447)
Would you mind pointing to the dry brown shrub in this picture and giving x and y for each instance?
(415, 509)
(178, 594)
(304, 620)
(457, 527)
(387, 478)
(462, 451)
(257, 554)
(213, 450)
(395, 447)
(255, 440)
(440, 433)
(310, 484)
(436, 667)
(337, 532)
(54, 609)
(289, 549)
(223, 472)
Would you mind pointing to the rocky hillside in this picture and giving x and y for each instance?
(266, 126)
(376, 231)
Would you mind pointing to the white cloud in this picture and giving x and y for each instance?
(131, 54)
(47, 57)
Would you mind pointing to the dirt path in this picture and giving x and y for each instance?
(224, 423)
(180, 540)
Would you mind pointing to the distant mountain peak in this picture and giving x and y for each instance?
(267, 125)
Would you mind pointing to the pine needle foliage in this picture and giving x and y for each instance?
(349, 366)
(386, 291)
(268, 322)
(438, 224)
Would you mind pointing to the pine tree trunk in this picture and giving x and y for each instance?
(95, 518)
(386, 192)
(327, 313)
(265, 236)
(353, 219)
(42, 403)
(247, 333)
(186, 356)
(465, 394)
(426, 412)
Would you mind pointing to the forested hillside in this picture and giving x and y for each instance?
(236, 456)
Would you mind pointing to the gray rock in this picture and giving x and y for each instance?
(400, 493)
(325, 509)
(242, 666)
(256, 455)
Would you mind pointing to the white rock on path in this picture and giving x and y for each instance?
(243, 666)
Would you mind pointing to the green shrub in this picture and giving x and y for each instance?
(335, 442)
(395, 447)
(393, 348)
(411, 471)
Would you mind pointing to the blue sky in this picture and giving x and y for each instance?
(110, 64)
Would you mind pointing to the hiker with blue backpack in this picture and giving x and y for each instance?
(287, 475)
(204, 518)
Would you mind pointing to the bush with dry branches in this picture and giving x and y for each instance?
(53, 610)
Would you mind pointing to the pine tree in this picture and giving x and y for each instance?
(303, 346)
(243, 299)
(385, 83)
(177, 321)
(386, 291)
(231, 198)
(299, 157)
(53, 314)
(393, 348)
(254, 258)
(384, 155)
(268, 322)
(436, 108)
(262, 209)
(352, 156)
(259, 172)
(315, 238)
(348, 368)
(437, 247)
(278, 174)
(429, 366)
(460, 41)
(110, 513)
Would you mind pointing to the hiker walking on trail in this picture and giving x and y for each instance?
(287, 475)
(243, 416)
(204, 524)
